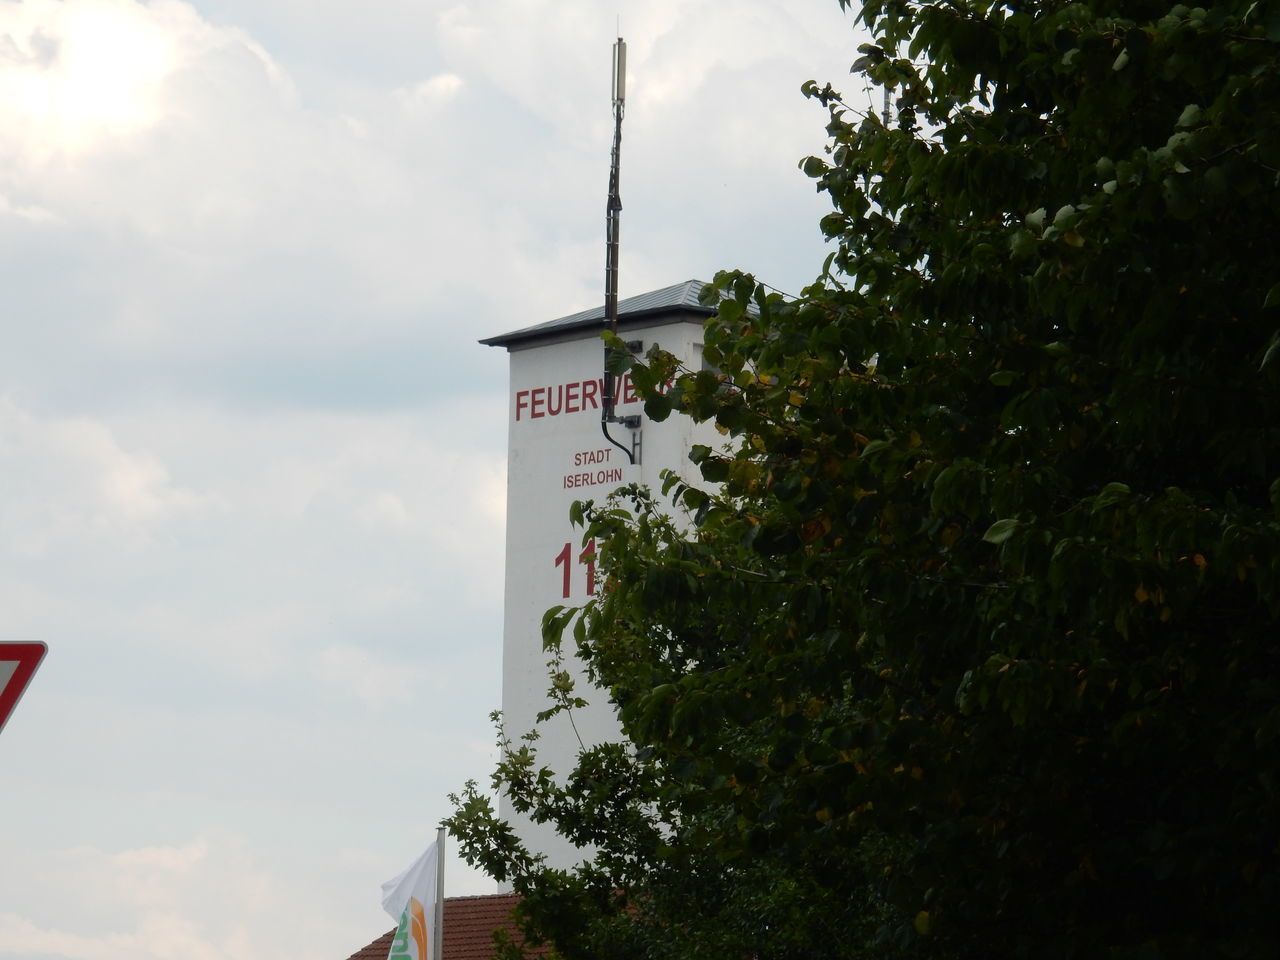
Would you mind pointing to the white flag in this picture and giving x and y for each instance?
(411, 900)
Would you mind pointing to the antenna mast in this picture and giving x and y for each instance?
(613, 211)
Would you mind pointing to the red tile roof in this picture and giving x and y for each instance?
(469, 923)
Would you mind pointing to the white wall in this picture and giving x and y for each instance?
(553, 460)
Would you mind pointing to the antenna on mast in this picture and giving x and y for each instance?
(613, 210)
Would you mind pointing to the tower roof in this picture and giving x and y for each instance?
(669, 304)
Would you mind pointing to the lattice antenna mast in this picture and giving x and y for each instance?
(613, 216)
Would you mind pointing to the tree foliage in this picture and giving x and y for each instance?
(969, 645)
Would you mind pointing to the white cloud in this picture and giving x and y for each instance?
(311, 537)
(359, 672)
(78, 72)
(225, 238)
(172, 859)
(443, 86)
(33, 214)
(197, 900)
(77, 76)
(70, 479)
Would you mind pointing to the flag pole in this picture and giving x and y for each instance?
(438, 945)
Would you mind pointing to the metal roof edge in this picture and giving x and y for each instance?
(657, 318)
(679, 301)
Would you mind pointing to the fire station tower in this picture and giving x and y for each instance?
(556, 454)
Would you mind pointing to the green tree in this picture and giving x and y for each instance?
(971, 643)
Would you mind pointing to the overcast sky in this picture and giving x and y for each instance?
(252, 459)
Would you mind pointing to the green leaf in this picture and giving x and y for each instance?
(1112, 494)
(1190, 116)
(1022, 243)
(813, 167)
(1273, 347)
(658, 407)
(1000, 531)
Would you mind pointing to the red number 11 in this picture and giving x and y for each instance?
(587, 556)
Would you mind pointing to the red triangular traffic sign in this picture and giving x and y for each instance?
(18, 662)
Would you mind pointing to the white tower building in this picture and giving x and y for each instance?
(556, 454)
